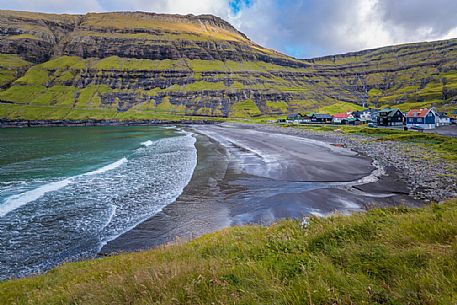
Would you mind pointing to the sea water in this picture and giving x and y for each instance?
(65, 192)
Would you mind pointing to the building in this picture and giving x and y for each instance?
(294, 118)
(425, 118)
(354, 121)
(341, 118)
(321, 118)
(390, 117)
(368, 115)
(442, 119)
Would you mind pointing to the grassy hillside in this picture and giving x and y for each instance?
(384, 256)
(155, 66)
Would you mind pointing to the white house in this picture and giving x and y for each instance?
(442, 119)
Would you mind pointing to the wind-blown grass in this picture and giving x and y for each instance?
(384, 256)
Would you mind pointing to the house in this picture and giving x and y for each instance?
(442, 119)
(356, 114)
(368, 115)
(354, 121)
(321, 118)
(425, 118)
(294, 118)
(390, 117)
(453, 117)
(341, 118)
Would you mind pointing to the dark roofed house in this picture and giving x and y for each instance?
(357, 114)
(390, 117)
(321, 118)
(294, 117)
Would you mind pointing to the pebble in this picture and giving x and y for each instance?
(427, 174)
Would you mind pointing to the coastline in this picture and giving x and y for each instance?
(222, 194)
(4, 123)
(187, 217)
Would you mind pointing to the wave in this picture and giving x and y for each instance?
(106, 168)
(177, 190)
(16, 201)
(147, 143)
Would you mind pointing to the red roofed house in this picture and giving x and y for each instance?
(425, 118)
(341, 118)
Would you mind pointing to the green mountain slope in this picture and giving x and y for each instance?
(144, 65)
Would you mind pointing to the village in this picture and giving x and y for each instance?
(414, 119)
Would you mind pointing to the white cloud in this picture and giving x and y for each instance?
(52, 6)
(317, 27)
(217, 7)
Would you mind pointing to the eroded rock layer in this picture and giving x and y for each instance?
(144, 65)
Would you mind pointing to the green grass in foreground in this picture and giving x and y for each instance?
(384, 256)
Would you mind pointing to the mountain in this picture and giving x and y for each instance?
(137, 65)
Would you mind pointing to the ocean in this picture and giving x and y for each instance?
(66, 192)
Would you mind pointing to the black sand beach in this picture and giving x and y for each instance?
(245, 176)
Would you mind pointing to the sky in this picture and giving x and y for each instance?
(300, 28)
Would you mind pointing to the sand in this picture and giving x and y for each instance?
(246, 176)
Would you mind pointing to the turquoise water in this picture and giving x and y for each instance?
(65, 192)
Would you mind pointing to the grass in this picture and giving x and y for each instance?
(11, 66)
(383, 256)
(445, 146)
(23, 36)
(339, 107)
(245, 109)
(12, 61)
(167, 25)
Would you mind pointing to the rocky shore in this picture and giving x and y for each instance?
(62, 123)
(429, 177)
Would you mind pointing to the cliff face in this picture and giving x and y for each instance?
(144, 65)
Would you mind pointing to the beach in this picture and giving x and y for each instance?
(252, 175)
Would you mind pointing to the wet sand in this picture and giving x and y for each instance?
(247, 176)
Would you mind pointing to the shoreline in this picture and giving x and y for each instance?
(4, 123)
(185, 218)
(220, 194)
(426, 177)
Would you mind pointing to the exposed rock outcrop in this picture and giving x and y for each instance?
(200, 65)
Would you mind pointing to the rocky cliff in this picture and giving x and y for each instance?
(143, 65)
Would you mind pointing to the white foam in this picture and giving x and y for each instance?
(317, 213)
(178, 191)
(106, 168)
(147, 143)
(349, 204)
(16, 201)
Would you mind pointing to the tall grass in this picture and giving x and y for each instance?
(384, 256)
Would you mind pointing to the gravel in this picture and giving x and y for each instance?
(430, 177)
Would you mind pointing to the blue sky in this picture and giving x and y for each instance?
(301, 28)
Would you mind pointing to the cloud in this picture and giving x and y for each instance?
(302, 28)
(307, 28)
(419, 18)
(217, 7)
(52, 6)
